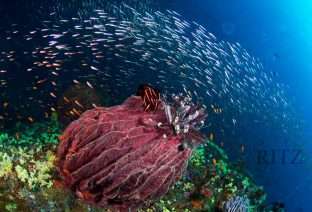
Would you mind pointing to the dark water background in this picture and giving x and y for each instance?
(279, 33)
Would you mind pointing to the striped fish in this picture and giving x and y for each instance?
(150, 97)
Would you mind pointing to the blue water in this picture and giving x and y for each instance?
(279, 33)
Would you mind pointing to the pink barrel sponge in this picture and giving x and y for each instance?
(121, 156)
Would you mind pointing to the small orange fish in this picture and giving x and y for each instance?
(72, 113)
(76, 112)
(66, 99)
(78, 103)
(150, 97)
(197, 204)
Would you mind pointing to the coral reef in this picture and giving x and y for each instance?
(210, 180)
(209, 183)
(26, 162)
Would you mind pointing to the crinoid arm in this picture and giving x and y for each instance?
(186, 118)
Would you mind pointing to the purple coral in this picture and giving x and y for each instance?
(120, 157)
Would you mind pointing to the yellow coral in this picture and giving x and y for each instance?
(5, 165)
(50, 158)
(31, 172)
(22, 173)
(43, 177)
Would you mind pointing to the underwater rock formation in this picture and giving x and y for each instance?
(119, 157)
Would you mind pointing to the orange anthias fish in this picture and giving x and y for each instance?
(150, 97)
(197, 204)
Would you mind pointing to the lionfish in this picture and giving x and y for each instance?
(150, 97)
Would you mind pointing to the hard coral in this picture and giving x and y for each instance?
(25, 157)
(121, 156)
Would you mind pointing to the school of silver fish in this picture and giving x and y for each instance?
(117, 47)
